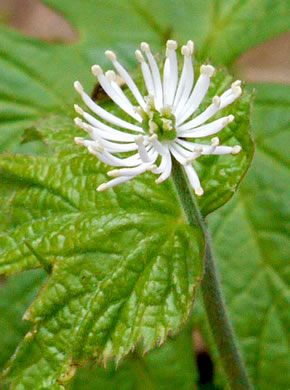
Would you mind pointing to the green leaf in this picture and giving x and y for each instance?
(101, 301)
(122, 272)
(218, 27)
(221, 175)
(136, 228)
(234, 26)
(251, 243)
(28, 87)
(170, 367)
(56, 226)
(18, 293)
(15, 296)
(32, 83)
(125, 264)
(54, 217)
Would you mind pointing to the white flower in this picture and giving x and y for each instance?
(164, 127)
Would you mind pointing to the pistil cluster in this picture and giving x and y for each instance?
(165, 125)
(160, 124)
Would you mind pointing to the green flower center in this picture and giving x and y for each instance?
(160, 123)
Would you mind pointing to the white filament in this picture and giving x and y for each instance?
(176, 99)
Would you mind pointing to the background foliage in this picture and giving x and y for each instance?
(42, 198)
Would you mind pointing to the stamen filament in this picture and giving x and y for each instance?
(155, 75)
(193, 179)
(127, 78)
(170, 73)
(165, 167)
(103, 113)
(147, 75)
(209, 129)
(111, 92)
(141, 148)
(198, 93)
(163, 132)
(114, 183)
(186, 81)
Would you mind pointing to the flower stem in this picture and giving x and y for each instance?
(212, 296)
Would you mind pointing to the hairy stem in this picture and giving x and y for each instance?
(211, 291)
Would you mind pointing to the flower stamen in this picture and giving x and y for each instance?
(165, 128)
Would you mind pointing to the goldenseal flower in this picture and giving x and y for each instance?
(164, 126)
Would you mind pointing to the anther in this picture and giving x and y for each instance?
(225, 122)
(114, 173)
(78, 122)
(111, 55)
(149, 113)
(236, 149)
(145, 47)
(167, 124)
(111, 75)
(97, 70)
(171, 45)
(228, 120)
(140, 111)
(139, 139)
(139, 56)
(215, 141)
(237, 83)
(149, 100)
(190, 44)
(166, 110)
(186, 51)
(79, 110)
(237, 91)
(78, 87)
(103, 187)
(79, 141)
(199, 191)
(207, 70)
(152, 126)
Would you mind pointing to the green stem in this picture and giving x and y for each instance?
(212, 296)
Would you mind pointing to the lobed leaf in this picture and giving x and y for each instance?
(104, 298)
(140, 372)
(124, 265)
(147, 372)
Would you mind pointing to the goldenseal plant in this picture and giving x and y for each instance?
(165, 123)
